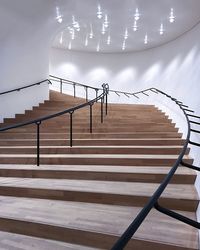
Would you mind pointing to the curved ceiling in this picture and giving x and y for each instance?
(112, 26)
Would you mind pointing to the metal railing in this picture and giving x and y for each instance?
(26, 87)
(102, 97)
(154, 200)
(74, 84)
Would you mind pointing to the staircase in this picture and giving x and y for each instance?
(85, 196)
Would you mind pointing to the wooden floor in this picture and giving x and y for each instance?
(84, 197)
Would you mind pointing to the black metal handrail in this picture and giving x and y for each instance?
(154, 200)
(26, 87)
(102, 97)
(74, 84)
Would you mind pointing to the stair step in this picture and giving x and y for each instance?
(163, 150)
(94, 225)
(12, 241)
(176, 196)
(95, 142)
(151, 174)
(94, 159)
(18, 135)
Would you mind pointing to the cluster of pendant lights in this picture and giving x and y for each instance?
(105, 27)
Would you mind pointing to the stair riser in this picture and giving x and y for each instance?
(91, 161)
(101, 176)
(12, 135)
(65, 129)
(78, 121)
(153, 151)
(75, 236)
(102, 198)
(93, 142)
(105, 125)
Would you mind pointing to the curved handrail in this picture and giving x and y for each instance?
(55, 78)
(25, 87)
(70, 111)
(43, 118)
(153, 201)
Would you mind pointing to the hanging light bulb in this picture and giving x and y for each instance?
(91, 35)
(171, 16)
(161, 29)
(108, 40)
(124, 45)
(61, 38)
(72, 34)
(146, 39)
(126, 34)
(99, 12)
(106, 21)
(58, 15)
(103, 31)
(137, 14)
(135, 27)
(86, 41)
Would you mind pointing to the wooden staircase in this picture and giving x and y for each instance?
(84, 197)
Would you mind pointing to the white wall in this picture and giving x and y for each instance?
(173, 68)
(23, 61)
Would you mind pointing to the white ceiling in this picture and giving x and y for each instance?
(120, 15)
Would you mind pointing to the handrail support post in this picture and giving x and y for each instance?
(61, 84)
(38, 142)
(91, 118)
(71, 131)
(101, 109)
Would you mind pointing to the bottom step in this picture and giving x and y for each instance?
(12, 241)
(94, 225)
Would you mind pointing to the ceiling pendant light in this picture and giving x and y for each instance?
(126, 34)
(124, 45)
(91, 35)
(98, 47)
(72, 34)
(137, 14)
(161, 29)
(106, 21)
(171, 16)
(146, 39)
(99, 12)
(135, 27)
(86, 41)
(103, 31)
(75, 24)
(70, 46)
(61, 38)
(108, 40)
(58, 15)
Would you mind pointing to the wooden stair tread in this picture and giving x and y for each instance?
(99, 156)
(99, 172)
(101, 168)
(14, 241)
(98, 219)
(178, 191)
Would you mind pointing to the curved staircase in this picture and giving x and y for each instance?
(85, 196)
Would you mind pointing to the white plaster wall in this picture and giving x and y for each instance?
(23, 61)
(173, 68)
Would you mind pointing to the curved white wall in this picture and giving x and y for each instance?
(173, 68)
